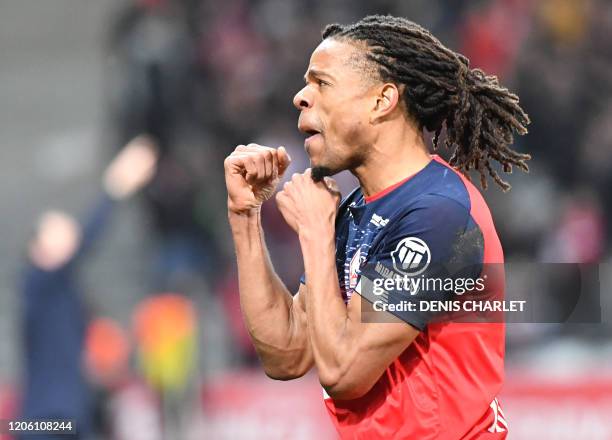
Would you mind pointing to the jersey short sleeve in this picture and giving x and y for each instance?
(428, 247)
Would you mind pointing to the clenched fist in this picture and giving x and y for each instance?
(309, 206)
(252, 173)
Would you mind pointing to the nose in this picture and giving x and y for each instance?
(301, 101)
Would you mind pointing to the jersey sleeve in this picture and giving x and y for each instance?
(428, 248)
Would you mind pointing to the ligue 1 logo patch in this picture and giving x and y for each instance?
(354, 266)
(411, 256)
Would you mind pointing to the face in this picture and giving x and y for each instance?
(335, 108)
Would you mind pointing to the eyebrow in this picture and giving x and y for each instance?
(316, 74)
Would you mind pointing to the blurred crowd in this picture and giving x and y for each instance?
(199, 77)
(202, 76)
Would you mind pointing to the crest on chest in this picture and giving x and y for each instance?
(353, 269)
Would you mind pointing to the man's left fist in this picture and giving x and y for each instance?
(309, 206)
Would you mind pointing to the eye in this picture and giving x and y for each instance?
(322, 83)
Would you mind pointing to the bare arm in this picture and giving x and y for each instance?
(350, 356)
(276, 321)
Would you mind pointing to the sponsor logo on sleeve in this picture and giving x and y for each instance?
(411, 256)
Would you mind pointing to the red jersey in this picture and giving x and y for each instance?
(444, 385)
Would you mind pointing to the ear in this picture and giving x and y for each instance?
(387, 100)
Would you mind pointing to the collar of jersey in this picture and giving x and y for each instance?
(359, 206)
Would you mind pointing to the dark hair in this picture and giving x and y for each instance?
(441, 90)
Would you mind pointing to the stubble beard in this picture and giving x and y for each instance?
(320, 173)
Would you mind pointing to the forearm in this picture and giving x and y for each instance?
(267, 305)
(95, 223)
(331, 328)
(350, 356)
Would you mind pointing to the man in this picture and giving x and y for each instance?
(54, 313)
(372, 88)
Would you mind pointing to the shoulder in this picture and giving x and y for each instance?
(433, 211)
(440, 223)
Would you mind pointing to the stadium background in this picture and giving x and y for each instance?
(79, 79)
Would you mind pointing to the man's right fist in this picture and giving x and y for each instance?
(252, 173)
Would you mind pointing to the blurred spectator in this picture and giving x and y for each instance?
(55, 317)
(107, 351)
(165, 327)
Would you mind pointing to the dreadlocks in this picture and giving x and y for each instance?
(440, 90)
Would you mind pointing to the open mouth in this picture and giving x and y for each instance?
(312, 134)
(310, 131)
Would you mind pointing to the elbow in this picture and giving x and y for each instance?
(283, 362)
(283, 372)
(343, 387)
(288, 369)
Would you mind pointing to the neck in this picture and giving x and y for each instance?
(398, 152)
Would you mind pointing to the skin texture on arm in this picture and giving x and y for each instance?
(350, 356)
(276, 321)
